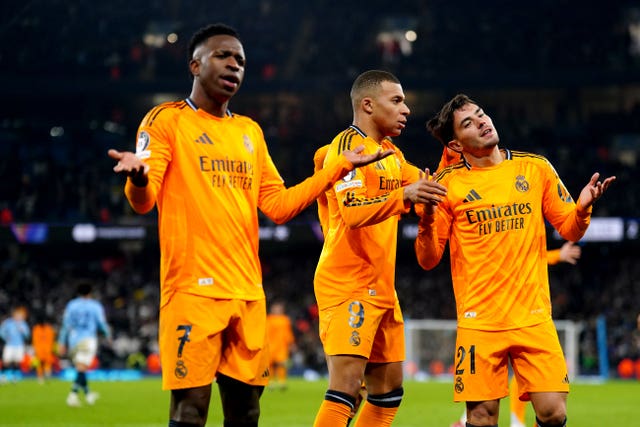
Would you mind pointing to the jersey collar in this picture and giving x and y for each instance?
(507, 156)
(357, 129)
(194, 107)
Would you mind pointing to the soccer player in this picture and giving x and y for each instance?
(493, 216)
(82, 321)
(361, 325)
(208, 170)
(570, 253)
(43, 338)
(281, 342)
(14, 331)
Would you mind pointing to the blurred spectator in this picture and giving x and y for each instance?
(281, 343)
(14, 331)
(43, 340)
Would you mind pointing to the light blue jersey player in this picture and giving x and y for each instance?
(83, 320)
(14, 331)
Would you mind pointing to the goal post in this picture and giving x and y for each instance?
(431, 345)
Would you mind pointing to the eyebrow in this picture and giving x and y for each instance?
(468, 118)
(231, 52)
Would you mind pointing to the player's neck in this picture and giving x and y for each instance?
(208, 104)
(370, 130)
(485, 160)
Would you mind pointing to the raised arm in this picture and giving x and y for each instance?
(358, 159)
(281, 204)
(131, 166)
(594, 190)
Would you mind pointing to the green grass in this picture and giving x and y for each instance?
(143, 404)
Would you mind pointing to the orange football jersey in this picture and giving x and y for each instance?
(494, 219)
(208, 177)
(359, 253)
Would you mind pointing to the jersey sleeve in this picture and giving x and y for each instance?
(356, 207)
(323, 204)
(433, 233)
(24, 329)
(561, 211)
(280, 203)
(103, 326)
(154, 147)
(553, 256)
(358, 210)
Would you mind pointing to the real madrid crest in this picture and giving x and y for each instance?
(180, 370)
(248, 144)
(355, 339)
(522, 185)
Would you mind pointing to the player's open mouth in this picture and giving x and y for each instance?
(230, 81)
(486, 132)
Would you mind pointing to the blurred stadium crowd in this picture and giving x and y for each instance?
(561, 78)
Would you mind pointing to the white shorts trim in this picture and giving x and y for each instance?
(85, 351)
(13, 354)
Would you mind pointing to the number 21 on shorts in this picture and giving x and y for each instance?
(466, 359)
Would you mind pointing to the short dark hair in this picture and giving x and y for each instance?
(84, 288)
(205, 33)
(369, 80)
(441, 125)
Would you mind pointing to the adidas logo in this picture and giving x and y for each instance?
(471, 197)
(204, 139)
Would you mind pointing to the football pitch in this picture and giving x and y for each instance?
(426, 404)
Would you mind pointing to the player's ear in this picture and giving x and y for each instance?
(194, 67)
(367, 105)
(454, 145)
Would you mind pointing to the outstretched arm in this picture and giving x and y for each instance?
(572, 225)
(281, 204)
(130, 165)
(594, 190)
(357, 159)
(141, 188)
